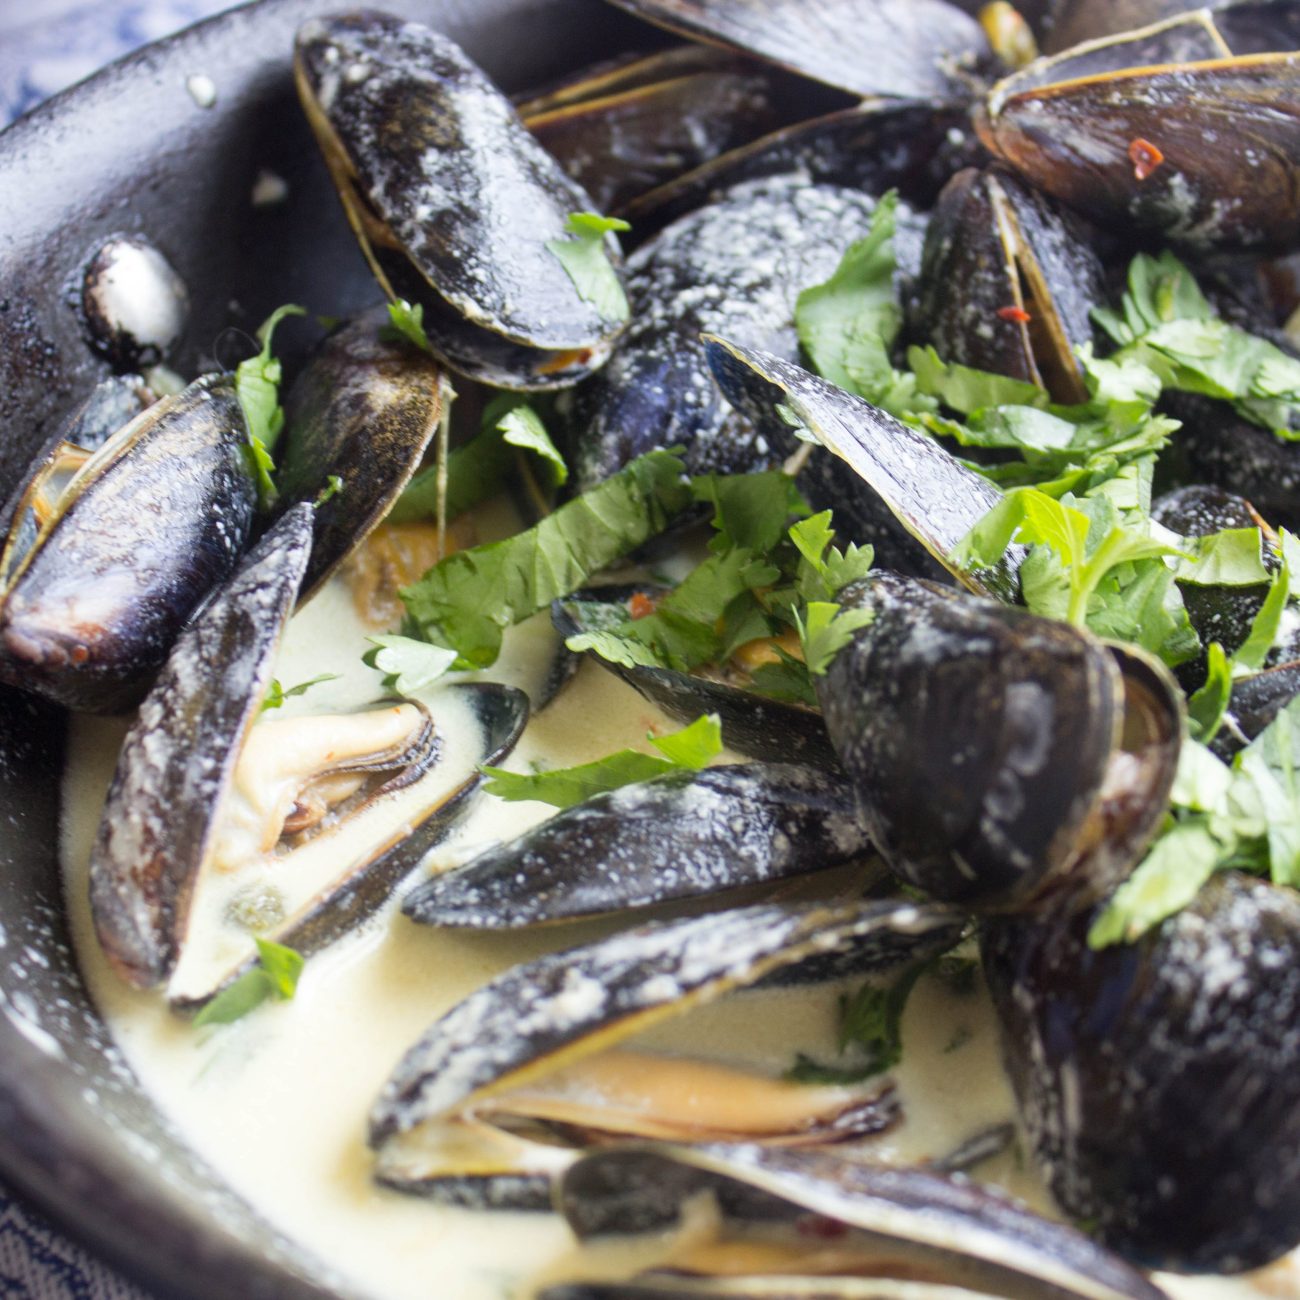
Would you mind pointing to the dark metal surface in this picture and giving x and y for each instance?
(132, 151)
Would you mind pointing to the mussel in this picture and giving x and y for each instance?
(754, 1222)
(479, 1108)
(215, 831)
(109, 554)
(455, 204)
(999, 757)
(1160, 1081)
(681, 835)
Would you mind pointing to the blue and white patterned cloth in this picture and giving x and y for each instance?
(41, 54)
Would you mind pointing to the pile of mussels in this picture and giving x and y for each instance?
(1007, 767)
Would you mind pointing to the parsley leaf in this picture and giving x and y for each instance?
(257, 385)
(478, 469)
(825, 630)
(276, 976)
(406, 321)
(690, 749)
(408, 665)
(585, 258)
(1206, 708)
(467, 600)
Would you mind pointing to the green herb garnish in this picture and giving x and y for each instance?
(276, 976)
(257, 385)
(408, 665)
(585, 257)
(276, 694)
(690, 749)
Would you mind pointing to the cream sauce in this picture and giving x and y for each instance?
(277, 1102)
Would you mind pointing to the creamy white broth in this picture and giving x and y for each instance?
(277, 1103)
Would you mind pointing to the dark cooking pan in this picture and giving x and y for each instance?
(132, 151)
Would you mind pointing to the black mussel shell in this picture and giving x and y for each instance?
(983, 742)
(880, 1222)
(1247, 26)
(453, 200)
(1007, 283)
(905, 48)
(364, 409)
(1256, 701)
(680, 835)
(1160, 1081)
(1120, 34)
(1162, 148)
(734, 267)
(934, 498)
(143, 533)
(879, 145)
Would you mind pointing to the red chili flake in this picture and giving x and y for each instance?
(1017, 314)
(640, 605)
(1145, 157)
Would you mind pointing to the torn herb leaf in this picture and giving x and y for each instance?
(825, 629)
(690, 749)
(257, 385)
(408, 665)
(1206, 708)
(276, 976)
(466, 601)
(406, 321)
(586, 259)
(276, 694)
(749, 510)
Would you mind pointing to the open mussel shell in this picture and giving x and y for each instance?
(454, 202)
(770, 730)
(837, 1217)
(998, 757)
(1256, 701)
(1007, 283)
(632, 129)
(680, 835)
(167, 902)
(1160, 1081)
(905, 48)
(1246, 26)
(912, 146)
(1203, 153)
(364, 409)
(935, 498)
(1095, 37)
(735, 267)
(554, 1016)
(130, 542)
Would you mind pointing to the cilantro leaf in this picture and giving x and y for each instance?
(467, 600)
(333, 486)
(1264, 627)
(749, 510)
(276, 694)
(276, 976)
(408, 665)
(586, 259)
(1206, 708)
(689, 749)
(522, 427)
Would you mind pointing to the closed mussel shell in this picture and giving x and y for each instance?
(681, 835)
(906, 1224)
(1160, 1080)
(735, 267)
(364, 409)
(453, 200)
(998, 756)
(140, 535)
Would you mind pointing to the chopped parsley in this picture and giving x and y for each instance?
(257, 385)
